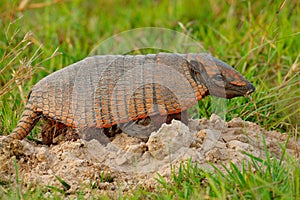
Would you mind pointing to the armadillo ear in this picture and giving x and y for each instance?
(197, 66)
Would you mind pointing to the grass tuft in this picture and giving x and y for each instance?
(259, 178)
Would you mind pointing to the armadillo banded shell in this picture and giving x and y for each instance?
(101, 91)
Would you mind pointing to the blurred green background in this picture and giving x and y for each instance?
(261, 39)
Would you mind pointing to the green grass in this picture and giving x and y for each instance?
(258, 179)
(261, 39)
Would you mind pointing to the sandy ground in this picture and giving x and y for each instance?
(126, 162)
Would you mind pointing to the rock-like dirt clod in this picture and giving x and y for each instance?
(126, 161)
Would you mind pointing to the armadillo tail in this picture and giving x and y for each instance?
(28, 120)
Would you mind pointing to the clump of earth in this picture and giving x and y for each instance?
(127, 162)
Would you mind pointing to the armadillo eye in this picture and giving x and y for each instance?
(218, 77)
(218, 80)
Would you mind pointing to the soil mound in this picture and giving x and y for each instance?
(127, 161)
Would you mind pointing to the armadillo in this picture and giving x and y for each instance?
(107, 90)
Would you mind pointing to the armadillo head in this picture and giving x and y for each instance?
(221, 79)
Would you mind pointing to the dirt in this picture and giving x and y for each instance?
(127, 162)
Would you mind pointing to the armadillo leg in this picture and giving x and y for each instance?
(183, 117)
(142, 128)
(99, 134)
(28, 120)
(53, 129)
(158, 120)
